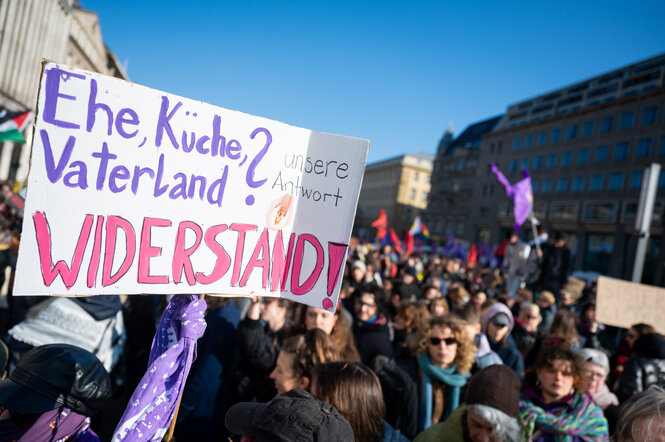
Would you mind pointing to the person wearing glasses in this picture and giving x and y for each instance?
(444, 352)
(370, 327)
(553, 406)
(596, 369)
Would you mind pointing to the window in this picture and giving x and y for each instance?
(649, 116)
(534, 186)
(528, 141)
(596, 183)
(627, 120)
(565, 211)
(551, 160)
(606, 125)
(661, 149)
(546, 186)
(599, 212)
(512, 166)
(562, 185)
(578, 184)
(602, 153)
(537, 162)
(587, 129)
(416, 175)
(429, 179)
(621, 151)
(525, 163)
(413, 194)
(566, 158)
(541, 138)
(425, 196)
(661, 178)
(643, 148)
(517, 142)
(556, 135)
(616, 181)
(583, 156)
(635, 180)
(571, 132)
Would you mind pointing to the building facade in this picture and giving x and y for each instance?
(56, 30)
(453, 176)
(400, 186)
(586, 147)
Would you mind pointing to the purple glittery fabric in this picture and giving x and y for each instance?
(155, 400)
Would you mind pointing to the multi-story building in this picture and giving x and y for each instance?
(453, 176)
(586, 147)
(398, 185)
(57, 30)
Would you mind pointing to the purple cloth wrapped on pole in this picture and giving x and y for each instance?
(155, 400)
(521, 194)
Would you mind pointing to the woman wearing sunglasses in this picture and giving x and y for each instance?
(445, 355)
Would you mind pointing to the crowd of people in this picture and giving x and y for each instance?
(420, 347)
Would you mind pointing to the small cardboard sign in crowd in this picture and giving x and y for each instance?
(624, 303)
(132, 190)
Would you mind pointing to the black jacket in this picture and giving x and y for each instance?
(524, 341)
(555, 263)
(400, 394)
(646, 368)
(372, 339)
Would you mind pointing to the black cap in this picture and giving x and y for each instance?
(56, 375)
(292, 416)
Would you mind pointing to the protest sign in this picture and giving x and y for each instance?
(132, 190)
(623, 303)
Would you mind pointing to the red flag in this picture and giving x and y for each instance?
(395, 240)
(381, 224)
(473, 256)
(408, 242)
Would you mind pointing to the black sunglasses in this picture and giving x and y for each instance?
(448, 341)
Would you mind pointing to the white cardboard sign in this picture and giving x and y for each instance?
(132, 190)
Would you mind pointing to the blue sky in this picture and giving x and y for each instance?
(393, 72)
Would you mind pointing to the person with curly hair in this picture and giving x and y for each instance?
(444, 352)
(553, 407)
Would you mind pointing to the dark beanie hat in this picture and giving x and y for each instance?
(496, 386)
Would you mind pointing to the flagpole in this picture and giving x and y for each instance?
(535, 233)
(168, 437)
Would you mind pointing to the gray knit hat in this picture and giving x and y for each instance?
(596, 357)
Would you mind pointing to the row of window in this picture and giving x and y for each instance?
(615, 181)
(626, 121)
(584, 156)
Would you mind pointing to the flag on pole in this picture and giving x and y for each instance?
(419, 228)
(381, 224)
(155, 400)
(472, 257)
(391, 239)
(12, 125)
(520, 192)
(408, 242)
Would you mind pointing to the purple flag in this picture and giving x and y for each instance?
(155, 400)
(520, 192)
